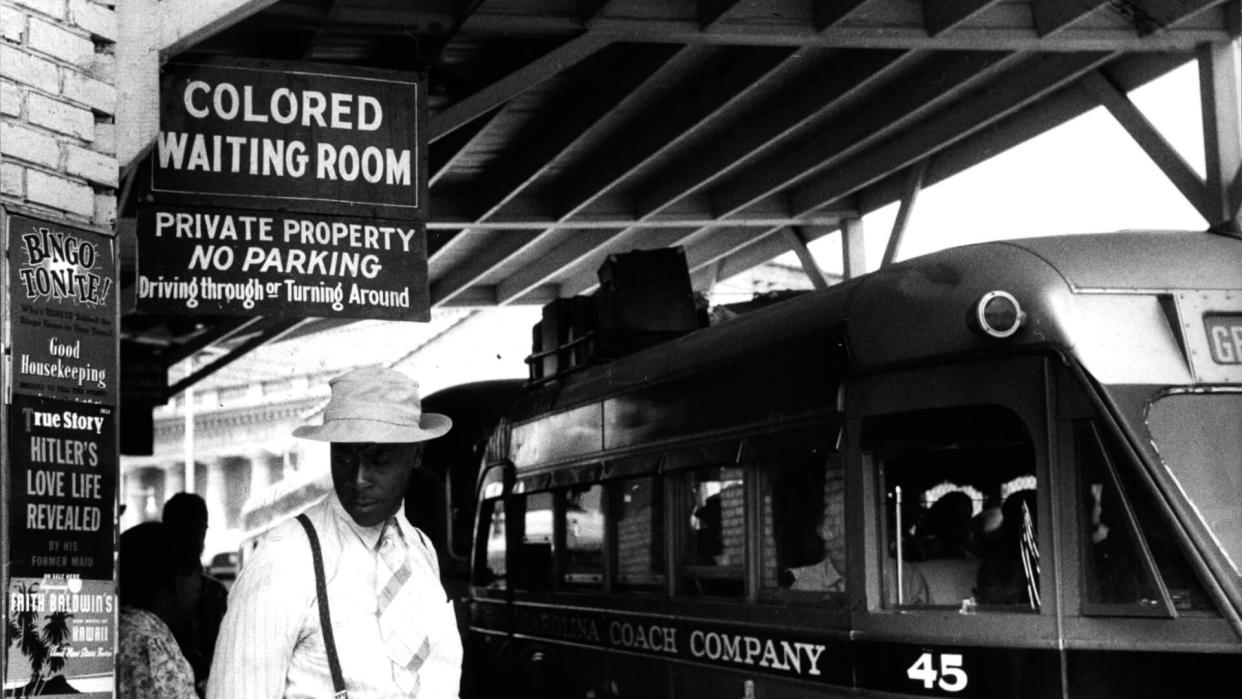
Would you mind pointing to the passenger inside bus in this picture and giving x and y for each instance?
(824, 576)
(937, 468)
(944, 560)
(804, 513)
(716, 532)
(1011, 574)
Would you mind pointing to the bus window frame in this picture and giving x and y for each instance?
(569, 581)
(1166, 610)
(951, 384)
(1081, 399)
(683, 573)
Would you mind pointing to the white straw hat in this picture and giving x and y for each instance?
(375, 405)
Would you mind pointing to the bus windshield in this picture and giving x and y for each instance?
(1199, 437)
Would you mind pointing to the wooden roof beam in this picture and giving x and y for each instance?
(929, 87)
(940, 16)
(829, 13)
(577, 246)
(795, 30)
(1151, 16)
(844, 77)
(797, 240)
(796, 109)
(697, 106)
(914, 185)
(676, 123)
(1046, 75)
(517, 82)
(1052, 16)
(446, 152)
(711, 11)
(1145, 134)
(590, 10)
(491, 250)
(1015, 129)
(578, 117)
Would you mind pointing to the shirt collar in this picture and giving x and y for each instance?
(369, 536)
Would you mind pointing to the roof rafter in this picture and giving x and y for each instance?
(447, 152)
(931, 86)
(1052, 16)
(488, 251)
(829, 13)
(577, 246)
(678, 121)
(1015, 128)
(782, 118)
(711, 11)
(940, 16)
(1046, 75)
(578, 117)
(517, 82)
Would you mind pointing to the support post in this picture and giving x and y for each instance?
(914, 185)
(797, 241)
(1222, 134)
(853, 251)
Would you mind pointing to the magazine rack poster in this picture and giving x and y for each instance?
(65, 638)
(60, 458)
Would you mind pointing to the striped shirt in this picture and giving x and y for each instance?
(270, 643)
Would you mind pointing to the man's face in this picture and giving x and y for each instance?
(371, 478)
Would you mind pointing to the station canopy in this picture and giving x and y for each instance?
(562, 131)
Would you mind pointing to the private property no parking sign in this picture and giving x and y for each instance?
(289, 190)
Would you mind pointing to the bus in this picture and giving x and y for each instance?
(1004, 469)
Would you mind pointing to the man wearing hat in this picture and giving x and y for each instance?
(391, 625)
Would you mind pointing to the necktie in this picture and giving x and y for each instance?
(397, 606)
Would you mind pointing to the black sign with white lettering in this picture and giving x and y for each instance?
(62, 488)
(304, 137)
(232, 261)
(63, 300)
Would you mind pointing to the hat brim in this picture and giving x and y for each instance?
(431, 425)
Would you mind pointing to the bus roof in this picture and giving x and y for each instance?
(1086, 294)
(1142, 260)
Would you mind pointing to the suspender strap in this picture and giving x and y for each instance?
(325, 620)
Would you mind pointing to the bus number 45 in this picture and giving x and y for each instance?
(951, 677)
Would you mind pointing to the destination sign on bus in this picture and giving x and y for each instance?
(1224, 332)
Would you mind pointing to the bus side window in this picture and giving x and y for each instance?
(638, 509)
(1114, 567)
(531, 568)
(804, 528)
(715, 532)
(584, 534)
(1122, 522)
(960, 514)
(492, 570)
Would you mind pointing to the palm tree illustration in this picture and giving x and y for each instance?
(45, 650)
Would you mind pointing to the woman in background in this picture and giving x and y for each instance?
(159, 587)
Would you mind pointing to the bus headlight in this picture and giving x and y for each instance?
(997, 314)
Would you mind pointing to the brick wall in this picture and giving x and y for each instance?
(732, 518)
(638, 535)
(57, 103)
